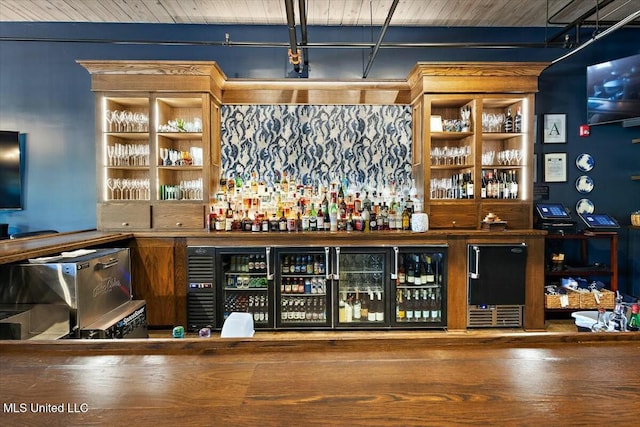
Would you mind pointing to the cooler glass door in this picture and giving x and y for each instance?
(246, 282)
(419, 287)
(302, 287)
(360, 280)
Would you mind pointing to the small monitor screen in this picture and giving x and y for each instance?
(599, 221)
(552, 211)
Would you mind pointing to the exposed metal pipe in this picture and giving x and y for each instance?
(383, 31)
(294, 56)
(576, 23)
(598, 36)
(302, 6)
(334, 45)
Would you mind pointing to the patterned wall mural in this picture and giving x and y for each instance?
(366, 144)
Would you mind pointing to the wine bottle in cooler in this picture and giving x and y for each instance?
(371, 315)
(379, 307)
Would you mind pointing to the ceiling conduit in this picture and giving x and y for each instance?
(294, 55)
(383, 31)
(303, 36)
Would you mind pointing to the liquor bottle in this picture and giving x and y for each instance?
(431, 278)
(417, 306)
(401, 314)
(333, 217)
(409, 307)
(506, 187)
(357, 307)
(366, 220)
(348, 309)
(284, 184)
(508, 122)
(411, 275)
(379, 308)
(483, 189)
(392, 215)
(426, 313)
(320, 219)
(228, 224)
(462, 186)
(366, 202)
(406, 219)
(364, 306)
(437, 312)
(371, 315)
(470, 189)
(313, 219)
(514, 185)
(402, 276)
(517, 121)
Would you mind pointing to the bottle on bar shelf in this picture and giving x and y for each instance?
(251, 203)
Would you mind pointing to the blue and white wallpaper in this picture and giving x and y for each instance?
(365, 144)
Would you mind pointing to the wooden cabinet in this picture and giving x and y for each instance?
(155, 165)
(463, 142)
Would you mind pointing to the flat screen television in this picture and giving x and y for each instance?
(10, 171)
(613, 90)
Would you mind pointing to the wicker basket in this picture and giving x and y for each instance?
(555, 301)
(635, 219)
(606, 297)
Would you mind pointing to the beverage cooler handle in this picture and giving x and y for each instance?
(268, 253)
(394, 275)
(475, 274)
(327, 269)
(336, 275)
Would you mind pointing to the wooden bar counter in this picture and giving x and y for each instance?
(159, 261)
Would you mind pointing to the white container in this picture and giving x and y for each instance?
(419, 222)
(238, 325)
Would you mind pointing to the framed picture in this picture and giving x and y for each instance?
(555, 167)
(555, 128)
(535, 168)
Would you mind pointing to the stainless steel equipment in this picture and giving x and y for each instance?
(127, 321)
(33, 321)
(90, 283)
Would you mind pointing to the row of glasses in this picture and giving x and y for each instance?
(128, 189)
(450, 155)
(127, 121)
(504, 157)
(185, 190)
(492, 122)
(128, 154)
(171, 157)
(182, 125)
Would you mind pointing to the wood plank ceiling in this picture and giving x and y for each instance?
(471, 13)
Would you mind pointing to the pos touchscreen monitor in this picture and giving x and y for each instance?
(602, 222)
(552, 211)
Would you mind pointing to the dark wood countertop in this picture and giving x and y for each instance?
(343, 238)
(22, 249)
(32, 247)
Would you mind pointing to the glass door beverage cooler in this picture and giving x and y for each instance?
(246, 284)
(419, 286)
(360, 283)
(303, 288)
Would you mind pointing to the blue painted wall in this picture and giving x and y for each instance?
(46, 95)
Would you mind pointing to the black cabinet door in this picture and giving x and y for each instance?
(497, 274)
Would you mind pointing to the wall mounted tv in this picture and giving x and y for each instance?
(10, 170)
(613, 90)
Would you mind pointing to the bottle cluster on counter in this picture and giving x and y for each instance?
(289, 205)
